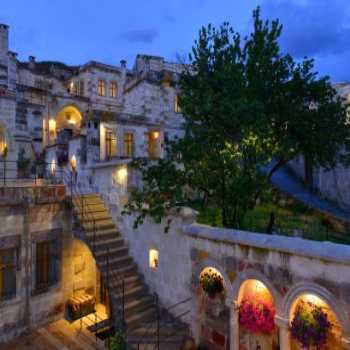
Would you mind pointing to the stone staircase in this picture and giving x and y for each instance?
(94, 225)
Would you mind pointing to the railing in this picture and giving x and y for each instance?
(164, 318)
(293, 226)
(117, 304)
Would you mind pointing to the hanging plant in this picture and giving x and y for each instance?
(212, 283)
(257, 316)
(310, 326)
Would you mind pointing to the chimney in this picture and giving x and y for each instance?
(4, 42)
(123, 64)
(123, 69)
(31, 60)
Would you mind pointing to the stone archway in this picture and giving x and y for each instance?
(304, 291)
(234, 299)
(66, 123)
(69, 117)
(210, 315)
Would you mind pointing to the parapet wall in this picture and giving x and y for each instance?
(289, 267)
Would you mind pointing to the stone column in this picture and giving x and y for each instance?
(284, 335)
(346, 343)
(28, 208)
(234, 324)
(195, 320)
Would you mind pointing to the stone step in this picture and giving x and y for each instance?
(87, 202)
(88, 217)
(99, 225)
(130, 294)
(138, 305)
(118, 251)
(125, 271)
(105, 234)
(115, 263)
(148, 314)
(95, 208)
(105, 243)
(131, 280)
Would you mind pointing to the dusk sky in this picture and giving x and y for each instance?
(75, 31)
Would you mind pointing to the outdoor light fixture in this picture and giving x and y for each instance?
(53, 167)
(3, 148)
(73, 162)
(52, 125)
(155, 134)
(122, 175)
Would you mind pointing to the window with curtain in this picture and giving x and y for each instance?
(128, 144)
(153, 139)
(46, 264)
(101, 88)
(113, 89)
(111, 144)
(7, 273)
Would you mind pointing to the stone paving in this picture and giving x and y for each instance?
(60, 335)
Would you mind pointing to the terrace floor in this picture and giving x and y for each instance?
(61, 335)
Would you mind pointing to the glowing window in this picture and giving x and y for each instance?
(128, 144)
(177, 107)
(101, 88)
(153, 259)
(153, 139)
(113, 89)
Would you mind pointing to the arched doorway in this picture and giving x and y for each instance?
(67, 123)
(256, 317)
(313, 324)
(86, 291)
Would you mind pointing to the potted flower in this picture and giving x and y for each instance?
(212, 283)
(310, 325)
(257, 316)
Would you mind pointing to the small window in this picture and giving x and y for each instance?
(7, 274)
(153, 259)
(113, 89)
(177, 107)
(101, 88)
(81, 88)
(128, 144)
(46, 265)
(153, 141)
(111, 144)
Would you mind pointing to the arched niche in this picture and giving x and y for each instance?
(306, 302)
(256, 316)
(210, 312)
(69, 118)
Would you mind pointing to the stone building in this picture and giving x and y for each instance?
(84, 115)
(89, 122)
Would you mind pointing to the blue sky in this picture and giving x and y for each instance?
(75, 31)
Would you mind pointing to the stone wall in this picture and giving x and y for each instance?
(33, 215)
(289, 267)
(332, 184)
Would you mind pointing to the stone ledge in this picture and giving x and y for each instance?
(297, 246)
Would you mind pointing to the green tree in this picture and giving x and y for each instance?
(247, 107)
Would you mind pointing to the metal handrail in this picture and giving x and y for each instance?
(107, 274)
(158, 324)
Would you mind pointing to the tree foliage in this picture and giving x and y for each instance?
(248, 109)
